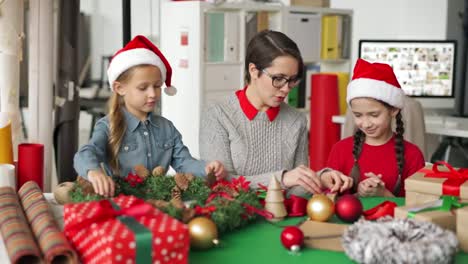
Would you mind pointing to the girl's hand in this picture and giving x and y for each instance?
(336, 181)
(217, 168)
(372, 186)
(102, 184)
(304, 177)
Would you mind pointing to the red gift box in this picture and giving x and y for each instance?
(125, 230)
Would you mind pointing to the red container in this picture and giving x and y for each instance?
(324, 103)
(30, 164)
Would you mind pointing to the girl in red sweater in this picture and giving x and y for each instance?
(377, 158)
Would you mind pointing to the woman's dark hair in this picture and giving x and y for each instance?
(359, 138)
(266, 46)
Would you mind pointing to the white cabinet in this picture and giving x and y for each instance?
(205, 45)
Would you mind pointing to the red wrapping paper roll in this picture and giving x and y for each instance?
(323, 105)
(30, 164)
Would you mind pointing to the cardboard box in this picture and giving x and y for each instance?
(444, 219)
(421, 189)
(313, 3)
(323, 235)
(462, 228)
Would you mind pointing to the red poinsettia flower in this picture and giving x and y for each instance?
(133, 179)
(220, 183)
(206, 211)
(240, 183)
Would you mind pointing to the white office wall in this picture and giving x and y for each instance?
(106, 26)
(396, 19)
(376, 19)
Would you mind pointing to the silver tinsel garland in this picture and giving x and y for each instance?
(389, 240)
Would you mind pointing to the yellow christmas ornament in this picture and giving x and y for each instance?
(203, 233)
(320, 208)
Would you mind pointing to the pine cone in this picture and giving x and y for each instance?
(189, 176)
(159, 171)
(222, 188)
(181, 181)
(176, 193)
(141, 171)
(188, 214)
(160, 204)
(177, 202)
(210, 179)
(86, 186)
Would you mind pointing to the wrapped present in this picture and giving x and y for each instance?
(441, 212)
(125, 229)
(323, 235)
(429, 183)
(462, 228)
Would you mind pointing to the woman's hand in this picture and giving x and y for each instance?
(304, 177)
(102, 184)
(217, 168)
(336, 181)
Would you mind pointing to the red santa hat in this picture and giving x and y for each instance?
(140, 51)
(375, 80)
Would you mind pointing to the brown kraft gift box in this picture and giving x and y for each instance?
(462, 228)
(421, 189)
(444, 219)
(323, 235)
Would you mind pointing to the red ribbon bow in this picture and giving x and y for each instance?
(295, 205)
(105, 212)
(455, 178)
(381, 210)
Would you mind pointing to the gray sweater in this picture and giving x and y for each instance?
(257, 149)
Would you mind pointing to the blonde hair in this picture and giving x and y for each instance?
(117, 125)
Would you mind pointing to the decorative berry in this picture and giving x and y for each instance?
(292, 238)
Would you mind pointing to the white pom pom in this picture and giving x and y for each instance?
(171, 90)
(295, 248)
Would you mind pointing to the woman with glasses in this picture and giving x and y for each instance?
(255, 134)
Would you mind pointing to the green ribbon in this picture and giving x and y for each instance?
(143, 236)
(445, 204)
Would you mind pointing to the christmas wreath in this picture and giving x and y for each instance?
(230, 204)
(389, 240)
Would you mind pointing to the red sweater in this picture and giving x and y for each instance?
(377, 159)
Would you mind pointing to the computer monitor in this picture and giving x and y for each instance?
(425, 68)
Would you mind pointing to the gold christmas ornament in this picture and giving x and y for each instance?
(320, 208)
(159, 171)
(203, 233)
(62, 192)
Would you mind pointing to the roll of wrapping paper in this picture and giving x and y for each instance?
(6, 146)
(343, 80)
(7, 176)
(52, 241)
(19, 240)
(30, 164)
(323, 105)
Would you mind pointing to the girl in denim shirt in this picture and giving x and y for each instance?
(131, 134)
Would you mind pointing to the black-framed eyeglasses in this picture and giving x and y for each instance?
(279, 81)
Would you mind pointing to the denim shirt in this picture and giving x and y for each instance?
(154, 142)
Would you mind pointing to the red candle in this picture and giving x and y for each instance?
(30, 164)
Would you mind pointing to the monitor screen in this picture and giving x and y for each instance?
(423, 68)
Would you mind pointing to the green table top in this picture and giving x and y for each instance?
(260, 242)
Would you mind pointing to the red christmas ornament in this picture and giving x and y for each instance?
(348, 208)
(292, 238)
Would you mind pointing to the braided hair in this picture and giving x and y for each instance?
(360, 138)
